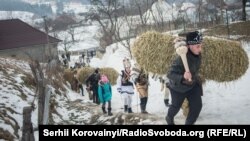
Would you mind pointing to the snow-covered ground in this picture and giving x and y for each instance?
(222, 103)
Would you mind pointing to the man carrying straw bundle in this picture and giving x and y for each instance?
(186, 84)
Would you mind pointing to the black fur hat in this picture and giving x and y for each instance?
(193, 38)
(97, 70)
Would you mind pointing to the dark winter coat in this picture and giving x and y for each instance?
(92, 81)
(177, 70)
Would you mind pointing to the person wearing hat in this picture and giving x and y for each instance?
(125, 86)
(184, 84)
(105, 94)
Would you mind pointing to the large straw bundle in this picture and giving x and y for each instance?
(222, 60)
(111, 73)
(153, 52)
(85, 72)
(68, 75)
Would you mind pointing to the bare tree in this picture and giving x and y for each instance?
(142, 8)
(127, 25)
(244, 15)
(71, 31)
(221, 11)
(66, 44)
(199, 9)
(105, 13)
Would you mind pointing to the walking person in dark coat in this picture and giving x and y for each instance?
(92, 84)
(184, 84)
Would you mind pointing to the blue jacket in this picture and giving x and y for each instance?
(104, 92)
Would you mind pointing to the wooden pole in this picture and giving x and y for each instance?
(28, 132)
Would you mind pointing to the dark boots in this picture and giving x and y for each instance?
(166, 101)
(130, 110)
(109, 112)
(125, 108)
(170, 121)
(143, 104)
(104, 110)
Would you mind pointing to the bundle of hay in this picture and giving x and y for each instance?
(111, 73)
(68, 75)
(153, 52)
(222, 61)
(85, 72)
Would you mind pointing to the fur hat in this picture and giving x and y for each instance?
(126, 63)
(97, 70)
(193, 38)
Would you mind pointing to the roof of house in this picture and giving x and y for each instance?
(15, 33)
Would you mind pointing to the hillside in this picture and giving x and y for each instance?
(17, 90)
(238, 30)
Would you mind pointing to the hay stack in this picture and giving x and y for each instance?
(153, 52)
(111, 73)
(222, 61)
(68, 75)
(85, 72)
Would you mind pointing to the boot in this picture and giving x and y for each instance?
(170, 121)
(143, 105)
(109, 112)
(166, 101)
(130, 110)
(103, 110)
(125, 108)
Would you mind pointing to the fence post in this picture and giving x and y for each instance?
(228, 30)
(28, 132)
(46, 104)
(41, 99)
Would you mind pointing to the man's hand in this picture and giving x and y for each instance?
(187, 76)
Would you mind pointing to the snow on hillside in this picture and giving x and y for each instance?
(86, 37)
(15, 94)
(159, 11)
(76, 8)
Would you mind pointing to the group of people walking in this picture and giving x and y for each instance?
(180, 84)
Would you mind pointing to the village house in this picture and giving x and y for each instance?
(20, 40)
